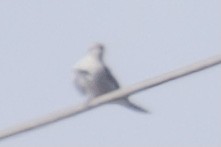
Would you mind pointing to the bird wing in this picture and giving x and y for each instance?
(111, 78)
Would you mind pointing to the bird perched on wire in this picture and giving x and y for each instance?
(93, 78)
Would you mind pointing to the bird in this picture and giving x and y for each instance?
(93, 78)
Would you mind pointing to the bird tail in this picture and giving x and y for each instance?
(128, 104)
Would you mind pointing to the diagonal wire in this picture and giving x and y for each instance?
(75, 110)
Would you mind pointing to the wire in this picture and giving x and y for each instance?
(73, 111)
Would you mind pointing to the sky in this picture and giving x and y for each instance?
(40, 41)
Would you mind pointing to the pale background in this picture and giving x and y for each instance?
(40, 40)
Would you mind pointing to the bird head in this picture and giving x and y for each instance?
(97, 50)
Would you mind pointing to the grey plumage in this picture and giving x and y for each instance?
(92, 77)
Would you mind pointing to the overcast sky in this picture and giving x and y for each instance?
(40, 40)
